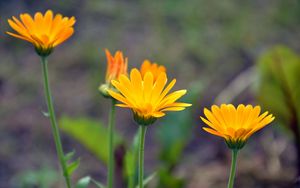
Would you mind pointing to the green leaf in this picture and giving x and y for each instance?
(174, 134)
(169, 180)
(69, 156)
(85, 181)
(131, 157)
(98, 184)
(73, 166)
(148, 179)
(44, 177)
(279, 79)
(46, 114)
(92, 134)
(176, 130)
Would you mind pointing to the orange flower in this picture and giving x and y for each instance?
(235, 125)
(154, 68)
(44, 31)
(116, 66)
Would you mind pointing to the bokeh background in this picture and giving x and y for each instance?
(215, 49)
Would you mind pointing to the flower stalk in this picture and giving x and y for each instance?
(111, 160)
(143, 130)
(53, 121)
(233, 168)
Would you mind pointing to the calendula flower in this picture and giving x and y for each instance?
(147, 98)
(116, 66)
(44, 31)
(235, 125)
(154, 68)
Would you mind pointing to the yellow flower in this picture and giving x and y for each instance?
(116, 66)
(154, 68)
(148, 99)
(235, 125)
(44, 31)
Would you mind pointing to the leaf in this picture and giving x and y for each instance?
(85, 181)
(175, 133)
(73, 166)
(43, 177)
(278, 87)
(69, 156)
(173, 139)
(46, 114)
(131, 157)
(169, 180)
(148, 179)
(98, 184)
(92, 134)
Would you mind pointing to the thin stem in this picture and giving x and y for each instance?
(233, 168)
(111, 160)
(141, 155)
(54, 126)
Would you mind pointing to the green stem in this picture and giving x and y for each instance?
(233, 168)
(141, 155)
(54, 126)
(111, 160)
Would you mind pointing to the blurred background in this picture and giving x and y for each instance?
(226, 51)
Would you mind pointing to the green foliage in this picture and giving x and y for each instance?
(168, 180)
(43, 178)
(71, 166)
(131, 157)
(85, 181)
(176, 129)
(174, 134)
(69, 155)
(90, 133)
(148, 179)
(278, 88)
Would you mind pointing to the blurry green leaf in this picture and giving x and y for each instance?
(69, 156)
(174, 133)
(90, 133)
(98, 184)
(168, 180)
(131, 161)
(279, 80)
(43, 178)
(148, 179)
(85, 181)
(73, 166)
(46, 114)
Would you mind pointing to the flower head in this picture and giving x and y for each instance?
(116, 66)
(147, 98)
(154, 68)
(44, 31)
(235, 125)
